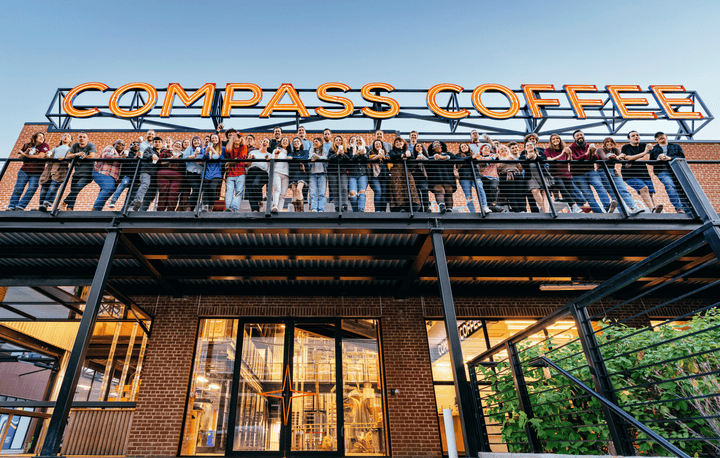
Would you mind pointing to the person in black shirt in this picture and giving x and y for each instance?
(83, 169)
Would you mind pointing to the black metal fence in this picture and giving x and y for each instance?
(646, 340)
(294, 186)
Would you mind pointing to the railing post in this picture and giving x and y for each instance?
(59, 196)
(269, 193)
(693, 191)
(586, 334)
(523, 396)
(4, 168)
(462, 387)
(616, 191)
(478, 411)
(58, 421)
(540, 167)
(200, 191)
(477, 190)
(131, 189)
(407, 182)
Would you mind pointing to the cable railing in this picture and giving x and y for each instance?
(648, 347)
(476, 188)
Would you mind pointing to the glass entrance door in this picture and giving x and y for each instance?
(286, 385)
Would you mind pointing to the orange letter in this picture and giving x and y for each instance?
(325, 97)
(666, 104)
(115, 100)
(229, 103)
(67, 103)
(173, 89)
(394, 106)
(577, 104)
(533, 103)
(432, 104)
(274, 103)
(621, 104)
(509, 113)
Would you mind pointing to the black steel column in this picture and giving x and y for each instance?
(478, 410)
(693, 191)
(523, 396)
(462, 387)
(53, 437)
(586, 334)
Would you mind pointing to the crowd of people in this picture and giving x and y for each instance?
(403, 174)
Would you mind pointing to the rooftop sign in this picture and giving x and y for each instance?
(533, 103)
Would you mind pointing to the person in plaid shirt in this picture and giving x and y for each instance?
(106, 173)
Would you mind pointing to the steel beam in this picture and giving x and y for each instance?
(523, 396)
(56, 427)
(425, 249)
(147, 266)
(462, 387)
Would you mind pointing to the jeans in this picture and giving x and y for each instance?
(621, 187)
(357, 186)
(318, 181)
(379, 185)
(234, 192)
(666, 179)
(77, 184)
(107, 186)
(145, 181)
(124, 184)
(491, 187)
(23, 178)
(338, 185)
(256, 179)
(48, 191)
(584, 182)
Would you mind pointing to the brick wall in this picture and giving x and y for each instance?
(706, 174)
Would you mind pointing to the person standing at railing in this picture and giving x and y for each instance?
(337, 172)
(298, 173)
(146, 174)
(467, 178)
(379, 174)
(441, 175)
(148, 141)
(193, 174)
(533, 169)
(257, 175)
(106, 173)
(569, 192)
(380, 135)
(358, 179)
(637, 174)
(585, 175)
(213, 172)
(610, 152)
(235, 177)
(302, 133)
(30, 172)
(54, 173)
(318, 176)
(665, 151)
(280, 175)
(275, 140)
(488, 177)
(401, 182)
(82, 176)
(419, 173)
(170, 178)
(127, 171)
(512, 186)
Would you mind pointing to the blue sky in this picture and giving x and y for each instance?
(48, 44)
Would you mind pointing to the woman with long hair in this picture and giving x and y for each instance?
(213, 172)
(358, 179)
(419, 172)
(257, 175)
(169, 178)
(467, 178)
(441, 175)
(511, 184)
(401, 180)
(280, 175)
(193, 173)
(378, 164)
(488, 177)
(561, 173)
(534, 181)
(30, 172)
(318, 176)
(298, 173)
(54, 173)
(611, 152)
(337, 173)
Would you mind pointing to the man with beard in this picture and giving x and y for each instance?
(302, 133)
(275, 140)
(146, 175)
(147, 143)
(82, 175)
(585, 175)
(665, 151)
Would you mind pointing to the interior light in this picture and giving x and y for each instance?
(214, 386)
(575, 286)
(202, 379)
